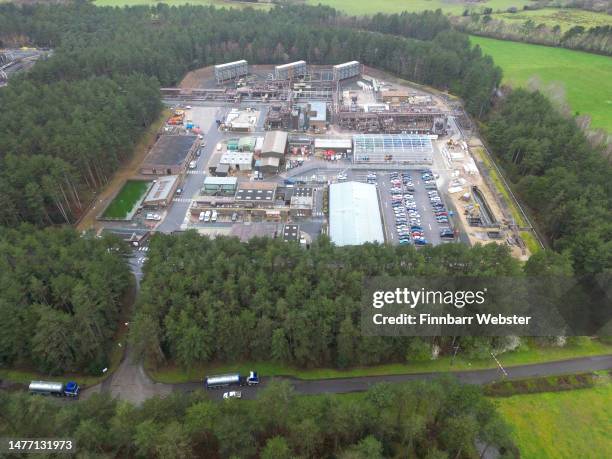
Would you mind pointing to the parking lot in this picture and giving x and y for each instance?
(413, 211)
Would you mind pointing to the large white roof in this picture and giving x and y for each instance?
(354, 214)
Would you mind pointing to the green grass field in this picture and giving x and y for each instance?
(173, 374)
(126, 199)
(587, 78)
(565, 18)
(561, 425)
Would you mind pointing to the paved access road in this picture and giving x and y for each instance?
(360, 384)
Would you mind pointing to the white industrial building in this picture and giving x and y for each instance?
(238, 160)
(354, 214)
(291, 70)
(231, 70)
(401, 149)
(346, 70)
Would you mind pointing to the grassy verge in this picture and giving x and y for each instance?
(528, 237)
(561, 424)
(173, 374)
(25, 375)
(545, 384)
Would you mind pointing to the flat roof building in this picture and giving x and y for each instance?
(162, 192)
(401, 149)
(238, 160)
(354, 214)
(336, 144)
(291, 232)
(225, 185)
(258, 193)
(170, 155)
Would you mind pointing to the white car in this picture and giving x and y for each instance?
(232, 394)
(155, 217)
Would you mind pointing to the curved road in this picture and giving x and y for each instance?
(131, 383)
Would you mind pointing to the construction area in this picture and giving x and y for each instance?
(13, 61)
(297, 150)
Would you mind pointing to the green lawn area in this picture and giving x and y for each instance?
(566, 18)
(586, 77)
(174, 374)
(126, 199)
(561, 425)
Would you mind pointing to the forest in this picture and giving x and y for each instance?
(72, 120)
(219, 300)
(566, 182)
(430, 420)
(59, 298)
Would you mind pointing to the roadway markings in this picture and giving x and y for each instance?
(192, 172)
(181, 200)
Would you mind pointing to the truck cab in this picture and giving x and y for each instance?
(252, 379)
(71, 389)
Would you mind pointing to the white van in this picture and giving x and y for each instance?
(207, 216)
(201, 218)
(213, 217)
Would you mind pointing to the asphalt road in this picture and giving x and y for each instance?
(360, 384)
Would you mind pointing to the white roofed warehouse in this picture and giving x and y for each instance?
(354, 214)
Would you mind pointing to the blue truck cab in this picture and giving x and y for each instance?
(252, 379)
(71, 389)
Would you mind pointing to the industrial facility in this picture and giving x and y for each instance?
(400, 149)
(231, 70)
(291, 70)
(170, 155)
(354, 214)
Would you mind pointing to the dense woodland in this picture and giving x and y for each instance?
(566, 182)
(67, 125)
(59, 298)
(430, 420)
(218, 300)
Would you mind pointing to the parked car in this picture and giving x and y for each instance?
(234, 216)
(179, 191)
(155, 217)
(232, 394)
(207, 216)
(201, 217)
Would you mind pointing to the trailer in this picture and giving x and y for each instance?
(58, 389)
(231, 379)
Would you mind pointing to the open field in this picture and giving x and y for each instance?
(173, 374)
(585, 77)
(561, 424)
(127, 198)
(565, 18)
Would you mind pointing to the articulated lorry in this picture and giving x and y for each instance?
(232, 379)
(58, 389)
